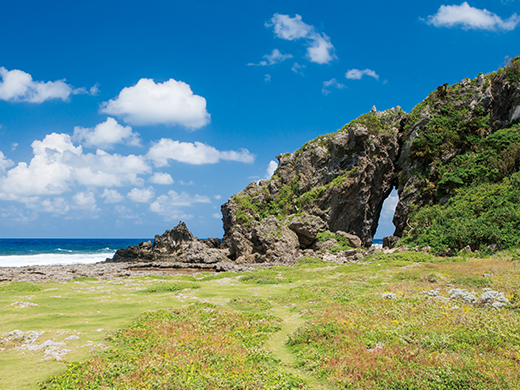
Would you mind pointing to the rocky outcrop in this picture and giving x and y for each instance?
(336, 184)
(176, 245)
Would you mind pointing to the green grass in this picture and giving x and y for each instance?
(316, 325)
(170, 287)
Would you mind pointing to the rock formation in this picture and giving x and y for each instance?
(329, 193)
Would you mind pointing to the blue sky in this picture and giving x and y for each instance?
(120, 118)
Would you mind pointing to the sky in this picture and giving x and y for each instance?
(121, 118)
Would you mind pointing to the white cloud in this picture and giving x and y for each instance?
(106, 135)
(141, 195)
(112, 196)
(56, 206)
(189, 183)
(217, 197)
(85, 201)
(193, 153)
(18, 86)
(274, 58)
(217, 215)
(469, 18)
(108, 170)
(296, 68)
(14, 145)
(168, 205)
(57, 164)
(389, 205)
(5, 163)
(125, 212)
(161, 178)
(271, 167)
(169, 103)
(331, 83)
(319, 48)
(267, 77)
(356, 74)
(289, 28)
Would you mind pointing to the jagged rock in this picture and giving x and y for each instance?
(324, 246)
(175, 245)
(354, 241)
(306, 228)
(341, 178)
(389, 242)
(275, 241)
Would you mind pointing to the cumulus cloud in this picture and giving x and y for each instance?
(274, 58)
(141, 195)
(331, 83)
(193, 153)
(161, 178)
(217, 215)
(217, 197)
(112, 196)
(19, 86)
(5, 163)
(168, 205)
(267, 77)
(170, 103)
(85, 201)
(469, 18)
(356, 74)
(319, 48)
(105, 135)
(56, 206)
(271, 167)
(57, 164)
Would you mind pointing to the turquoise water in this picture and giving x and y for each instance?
(50, 251)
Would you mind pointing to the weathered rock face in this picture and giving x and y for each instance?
(338, 181)
(176, 245)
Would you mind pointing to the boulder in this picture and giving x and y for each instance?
(389, 242)
(354, 241)
(306, 228)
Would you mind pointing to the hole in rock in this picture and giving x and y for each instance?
(385, 226)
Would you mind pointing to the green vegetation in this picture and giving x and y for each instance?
(170, 287)
(19, 287)
(512, 69)
(374, 122)
(394, 321)
(342, 244)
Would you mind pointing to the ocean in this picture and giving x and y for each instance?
(19, 252)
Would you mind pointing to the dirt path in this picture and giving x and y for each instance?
(276, 344)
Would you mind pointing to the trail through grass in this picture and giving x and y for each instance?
(387, 323)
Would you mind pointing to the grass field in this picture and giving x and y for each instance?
(391, 322)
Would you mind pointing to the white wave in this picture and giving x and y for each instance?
(53, 259)
(377, 246)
